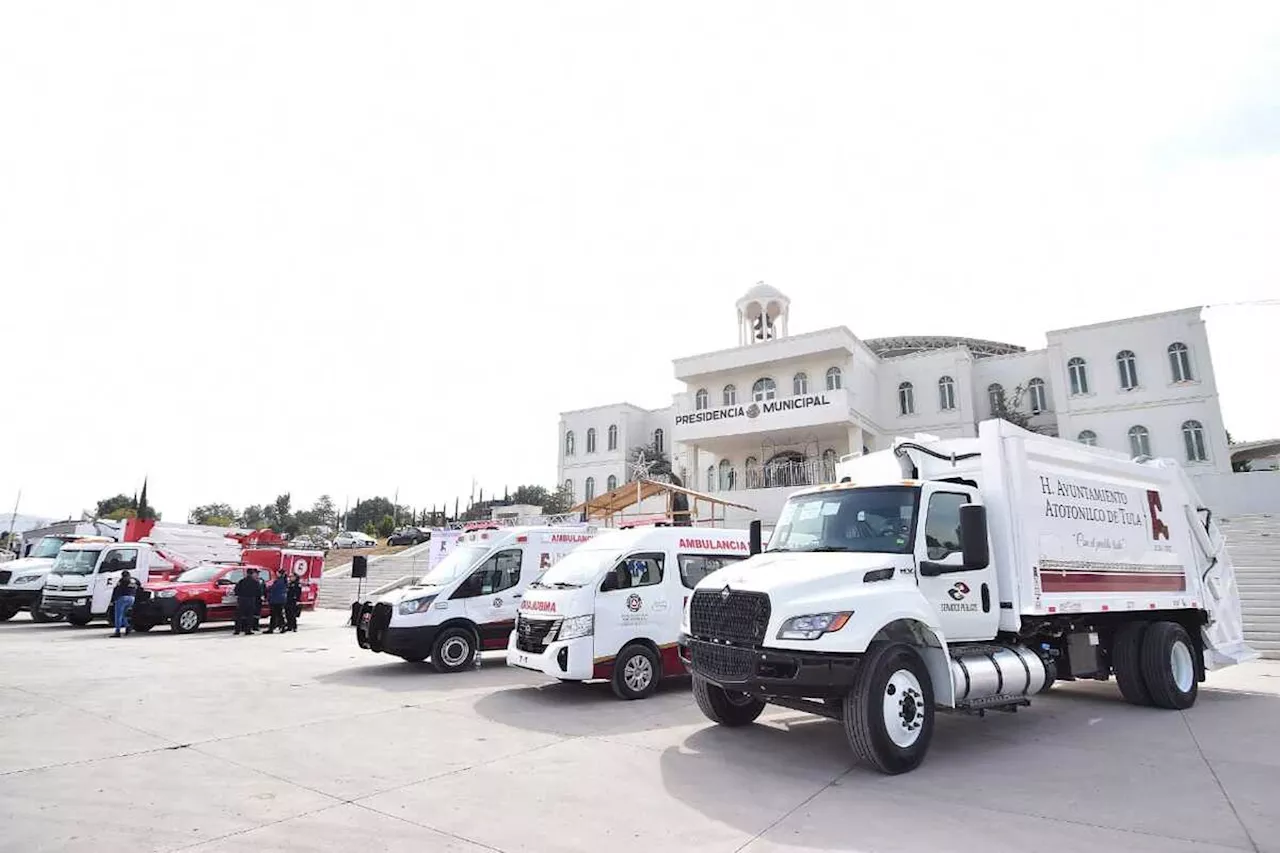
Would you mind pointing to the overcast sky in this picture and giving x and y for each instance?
(256, 247)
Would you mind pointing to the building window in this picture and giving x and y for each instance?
(906, 399)
(726, 475)
(1036, 397)
(659, 440)
(611, 483)
(995, 398)
(800, 384)
(568, 487)
(711, 478)
(1139, 441)
(946, 393)
(568, 443)
(1127, 363)
(1193, 438)
(731, 395)
(613, 436)
(1088, 437)
(835, 379)
(1078, 375)
(589, 489)
(700, 399)
(1180, 362)
(764, 389)
(591, 440)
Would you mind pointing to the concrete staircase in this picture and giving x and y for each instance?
(1253, 541)
(338, 589)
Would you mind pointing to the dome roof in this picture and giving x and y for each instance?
(909, 344)
(763, 293)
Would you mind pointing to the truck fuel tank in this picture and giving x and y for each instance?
(986, 675)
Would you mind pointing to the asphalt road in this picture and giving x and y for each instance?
(305, 742)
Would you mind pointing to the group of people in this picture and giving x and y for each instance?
(283, 595)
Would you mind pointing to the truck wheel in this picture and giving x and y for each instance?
(635, 672)
(43, 616)
(888, 713)
(142, 627)
(1169, 667)
(1126, 660)
(721, 706)
(414, 658)
(186, 618)
(79, 621)
(453, 650)
(7, 613)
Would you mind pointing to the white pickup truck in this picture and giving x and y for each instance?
(84, 573)
(967, 574)
(22, 580)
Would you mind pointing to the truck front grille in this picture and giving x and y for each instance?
(532, 634)
(721, 663)
(733, 616)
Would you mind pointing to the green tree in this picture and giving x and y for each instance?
(108, 506)
(530, 496)
(658, 462)
(144, 510)
(279, 516)
(218, 515)
(368, 513)
(559, 502)
(253, 517)
(385, 527)
(1008, 407)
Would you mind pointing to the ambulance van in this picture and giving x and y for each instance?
(467, 602)
(611, 609)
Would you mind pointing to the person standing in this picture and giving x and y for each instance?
(278, 597)
(248, 602)
(122, 598)
(294, 604)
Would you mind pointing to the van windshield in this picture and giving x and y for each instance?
(48, 546)
(878, 520)
(578, 568)
(75, 562)
(457, 563)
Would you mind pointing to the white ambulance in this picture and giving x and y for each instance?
(612, 608)
(467, 602)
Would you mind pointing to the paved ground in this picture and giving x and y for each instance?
(212, 742)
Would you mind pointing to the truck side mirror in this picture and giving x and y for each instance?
(754, 534)
(973, 536)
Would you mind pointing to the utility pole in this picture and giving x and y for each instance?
(13, 519)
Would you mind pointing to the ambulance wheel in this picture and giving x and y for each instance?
(1169, 666)
(1126, 660)
(888, 713)
(720, 706)
(7, 613)
(635, 672)
(186, 618)
(453, 650)
(43, 616)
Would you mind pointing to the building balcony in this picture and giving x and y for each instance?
(788, 474)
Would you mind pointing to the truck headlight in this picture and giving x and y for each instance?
(577, 626)
(813, 626)
(415, 605)
(166, 593)
(26, 579)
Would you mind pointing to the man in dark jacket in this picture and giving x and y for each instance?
(278, 596)
(294, 605)
(248, 601)
(122, 598)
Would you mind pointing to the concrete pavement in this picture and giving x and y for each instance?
(305, 742)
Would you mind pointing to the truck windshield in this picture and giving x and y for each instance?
(878, 519)
(200, 574)
(578, 568)
(458, 562)
(48, 546)
(75, 562)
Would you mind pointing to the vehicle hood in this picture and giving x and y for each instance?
(797, 573)
(556, 603)
(405, 593)
(28, 566)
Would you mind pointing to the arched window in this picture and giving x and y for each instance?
(1079, 376)
(1139, 441)
(726, 475)
(1193, 439)
(613, 436)
(1180, 362)
(1036, 397)
(995, 398)
(1088, 437)
(591, 440)
(659, 440)
(800, 384)
(700, 399)
(764, 389)
(611, 483)
(835, 379)
(589, 489)
(568, 487)
(568, 443)
(906, 399)
(1127, 364)
(711, 478)
(946, 393)
(731, 395)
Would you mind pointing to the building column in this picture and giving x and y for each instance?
(693, 467)
(856, 439)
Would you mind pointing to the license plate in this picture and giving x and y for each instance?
(522, 660)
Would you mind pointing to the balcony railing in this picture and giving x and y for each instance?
(774, 475)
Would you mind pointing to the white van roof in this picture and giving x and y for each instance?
(569, 534)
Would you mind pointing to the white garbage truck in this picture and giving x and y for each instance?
(968, 575)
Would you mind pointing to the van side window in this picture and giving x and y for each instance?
(942, 524)
(120, 559)
(499, 572)
(695, 567)
(634, 571)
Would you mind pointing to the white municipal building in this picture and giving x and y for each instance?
(778, 410)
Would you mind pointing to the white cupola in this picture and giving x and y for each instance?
(762, 315)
